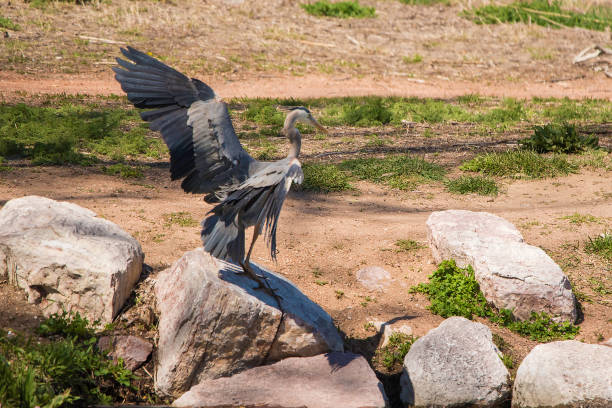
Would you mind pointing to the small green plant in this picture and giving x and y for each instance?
(507, 360)
(181, 218)
(556, 138)
(401, 172)
(542, 12)
(321, 282)
(341, 9)
(6, 22)
(408, 245)
(601, 245)
(324, 178)
(394, 352)
(520, 164)
(67, 371)
(123, 170)
(454, 291)
(472, 184)
(339, 294)
(416, 58)
(539, 327)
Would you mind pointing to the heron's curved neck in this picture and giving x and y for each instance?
(293, 134)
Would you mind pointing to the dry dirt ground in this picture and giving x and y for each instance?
(272, 48)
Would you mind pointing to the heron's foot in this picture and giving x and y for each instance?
(262, 282)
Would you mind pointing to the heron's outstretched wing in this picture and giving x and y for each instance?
(256, 201)
(204, 148)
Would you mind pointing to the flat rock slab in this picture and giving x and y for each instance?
(374, 278)
(213, 323)
(455, 364)
(565, 374)
(133, 350)
(512, 274)
(339, 380)
(65, 257)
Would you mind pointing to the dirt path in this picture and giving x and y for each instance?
(310, 86)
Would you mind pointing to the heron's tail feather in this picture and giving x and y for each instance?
(223, 238)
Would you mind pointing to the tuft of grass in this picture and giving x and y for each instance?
(408, 245)
(181, 218)
(341, 9)
(542, 12)
(6, 22)
(563, 138)
(123, 170)
(507, 360)
(66, 371)
(601, 245)
(73, 132)
(401, 172)
(579, 219)
(454, 291)
(473, 184)
(425, 2)
(520, 164)
(324, 178)
(393, 353)
(416, 58)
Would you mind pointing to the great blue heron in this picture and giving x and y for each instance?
(205, 151)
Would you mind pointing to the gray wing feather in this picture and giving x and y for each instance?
(204, 148)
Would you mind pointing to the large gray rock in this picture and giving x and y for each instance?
(64, 257)
(565, 373)
(339, 380)
(213, 323)
(512, 274)
(455, 364)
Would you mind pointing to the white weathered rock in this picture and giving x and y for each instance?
(455, 364)
(389, 330)
(565, 373)
(512, 274)
(133, 350)
(64, 257)
(213, 323)
(374, 278)
(339, 380)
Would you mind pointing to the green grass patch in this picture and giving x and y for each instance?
(181, 218)
(559, 138)
(77, 133)
(454, 291)
(408, 245)
(67, 370)
(123, 170)
(6, 22)
(472, 184)
(544, 13)
(520, 164)
(401, 172)
(601, 245)
(324, 178)
(341, 9)
(580, 219)
(392, 355)
(415, 59)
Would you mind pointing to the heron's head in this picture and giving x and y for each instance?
(303, 115)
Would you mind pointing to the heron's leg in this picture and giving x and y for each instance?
(261, 280)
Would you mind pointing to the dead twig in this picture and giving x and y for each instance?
(101, 40)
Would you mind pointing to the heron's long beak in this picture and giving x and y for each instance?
(318, 125)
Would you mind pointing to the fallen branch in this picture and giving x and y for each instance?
(102, 40)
